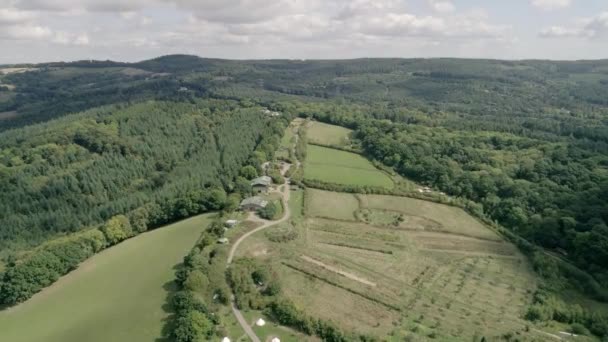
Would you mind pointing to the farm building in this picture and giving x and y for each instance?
(261, 184)
(231, 223)
(253, 203)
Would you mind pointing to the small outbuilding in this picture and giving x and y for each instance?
(260, 322)
(253, 203)
(230, 223)
(261, 184)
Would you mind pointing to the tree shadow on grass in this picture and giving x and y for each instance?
(170, 288)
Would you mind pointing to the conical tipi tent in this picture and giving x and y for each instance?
(225, 339)
(276, 339)
(260, 322)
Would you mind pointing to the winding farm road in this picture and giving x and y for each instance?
(286, 215)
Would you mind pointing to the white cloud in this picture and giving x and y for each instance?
(236, 11)
(82, 5)
(14, 16)
(559, 32)
(551, 4)
(401, 25)
(594, 27)
(598, 26)
(442, 6)
(25, 32)
(67, 38)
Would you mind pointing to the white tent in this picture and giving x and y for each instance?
(260, 322)
(225, 339)
(276, 339)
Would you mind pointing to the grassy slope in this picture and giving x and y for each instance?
(334, 166)
(331, 204)
(325, 134)
(117, 295)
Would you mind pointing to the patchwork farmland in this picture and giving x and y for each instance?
(399, 279)
(394, 267)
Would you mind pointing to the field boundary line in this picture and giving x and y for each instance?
(339, 271)
(362, 295)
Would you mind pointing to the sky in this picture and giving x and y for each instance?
(133, 30)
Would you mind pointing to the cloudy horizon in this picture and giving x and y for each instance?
(64, 30)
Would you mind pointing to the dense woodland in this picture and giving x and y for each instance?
(117, 171)
(526, 141)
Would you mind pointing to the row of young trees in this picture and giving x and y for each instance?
(548, 307)
(201, 287)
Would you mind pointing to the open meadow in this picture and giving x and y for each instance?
(119, 294)
(325, 134)
(399, 268)
(335, 166)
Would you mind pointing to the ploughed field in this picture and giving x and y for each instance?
(398, 267)
(119, 294)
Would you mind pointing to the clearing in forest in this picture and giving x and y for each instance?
(324, 134)
(119, 294)
(335, 166)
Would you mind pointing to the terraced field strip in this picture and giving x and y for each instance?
(346, 245)
(337, 284)
(339, 271)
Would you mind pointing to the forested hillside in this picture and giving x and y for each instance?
(527, 141)
(83, 169)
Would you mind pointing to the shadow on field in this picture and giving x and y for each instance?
(168, 322)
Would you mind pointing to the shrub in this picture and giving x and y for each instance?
(269, 212)
(196, 281)
(578, 329)
(117, 229)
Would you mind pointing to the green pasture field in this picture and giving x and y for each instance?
(335, 166)
(341, 206)
(119, 294)
(429, 214)
(325, 134)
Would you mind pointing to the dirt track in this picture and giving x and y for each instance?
(285, 194)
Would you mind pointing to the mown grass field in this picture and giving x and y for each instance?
(328, 204)
(335, 166)
(452, 282)
(322, 133)
(117, 295)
